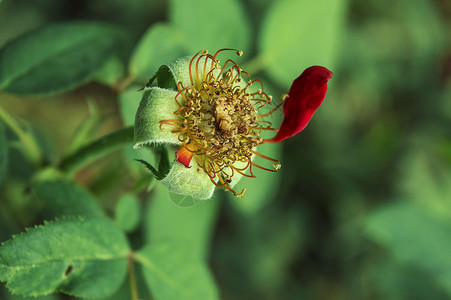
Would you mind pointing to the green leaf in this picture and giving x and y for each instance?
(211, 25)
(424, 166)
(262, 189)
(47, 297)
(187, 226)
(111, 71)
(80, 257)
(160, 44)
(125, 290)
(62, 197)
(56, 58)
(299, 33)
(415, 236)
(128, 212)
(3, 154)
(172, 272)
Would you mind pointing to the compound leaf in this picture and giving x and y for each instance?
(56, 57)
(78, 256)
(65, 198)
(128, 212)
(172, 272)
(211, 25)
(297, 34)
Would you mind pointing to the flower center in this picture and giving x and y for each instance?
(220, 125)
(221, 120)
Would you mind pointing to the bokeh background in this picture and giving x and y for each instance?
(361, 208)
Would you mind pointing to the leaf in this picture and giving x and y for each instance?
(80, 257)
(3, 154)
(425, 167)
(56, 58)
(15, 297)
(190, 226)
(415, 236)
(128, 212)
(160, 44)
(62, 197)
(211, 25)
(111, 71)
(299, 33)
(125, 291)
(172, 272)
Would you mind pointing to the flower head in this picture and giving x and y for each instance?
(211, 113)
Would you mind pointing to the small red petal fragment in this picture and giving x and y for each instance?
(305, 96)
(184, 156)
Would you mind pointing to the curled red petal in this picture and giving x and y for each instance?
(184, 156)
(305, 96)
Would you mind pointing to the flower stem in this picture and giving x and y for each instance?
(96, 149)
(131, 274)
(122, 84)
(30, 147)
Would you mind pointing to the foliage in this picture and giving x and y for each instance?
(360, 209)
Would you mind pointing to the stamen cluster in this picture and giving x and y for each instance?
(217, 119)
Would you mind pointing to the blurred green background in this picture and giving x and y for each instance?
(361, 208)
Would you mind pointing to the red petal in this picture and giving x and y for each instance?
(305, 96)
(184, 156)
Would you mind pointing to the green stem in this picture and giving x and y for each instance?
(30, 147)
(131, 274)
(96, 149)
(122, 84)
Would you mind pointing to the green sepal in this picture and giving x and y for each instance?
(177, 71)
(170, 74)
(163, 165)
(161, 152)
(151, 168)
(191, 181)
(164, 79)
(156, 105)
